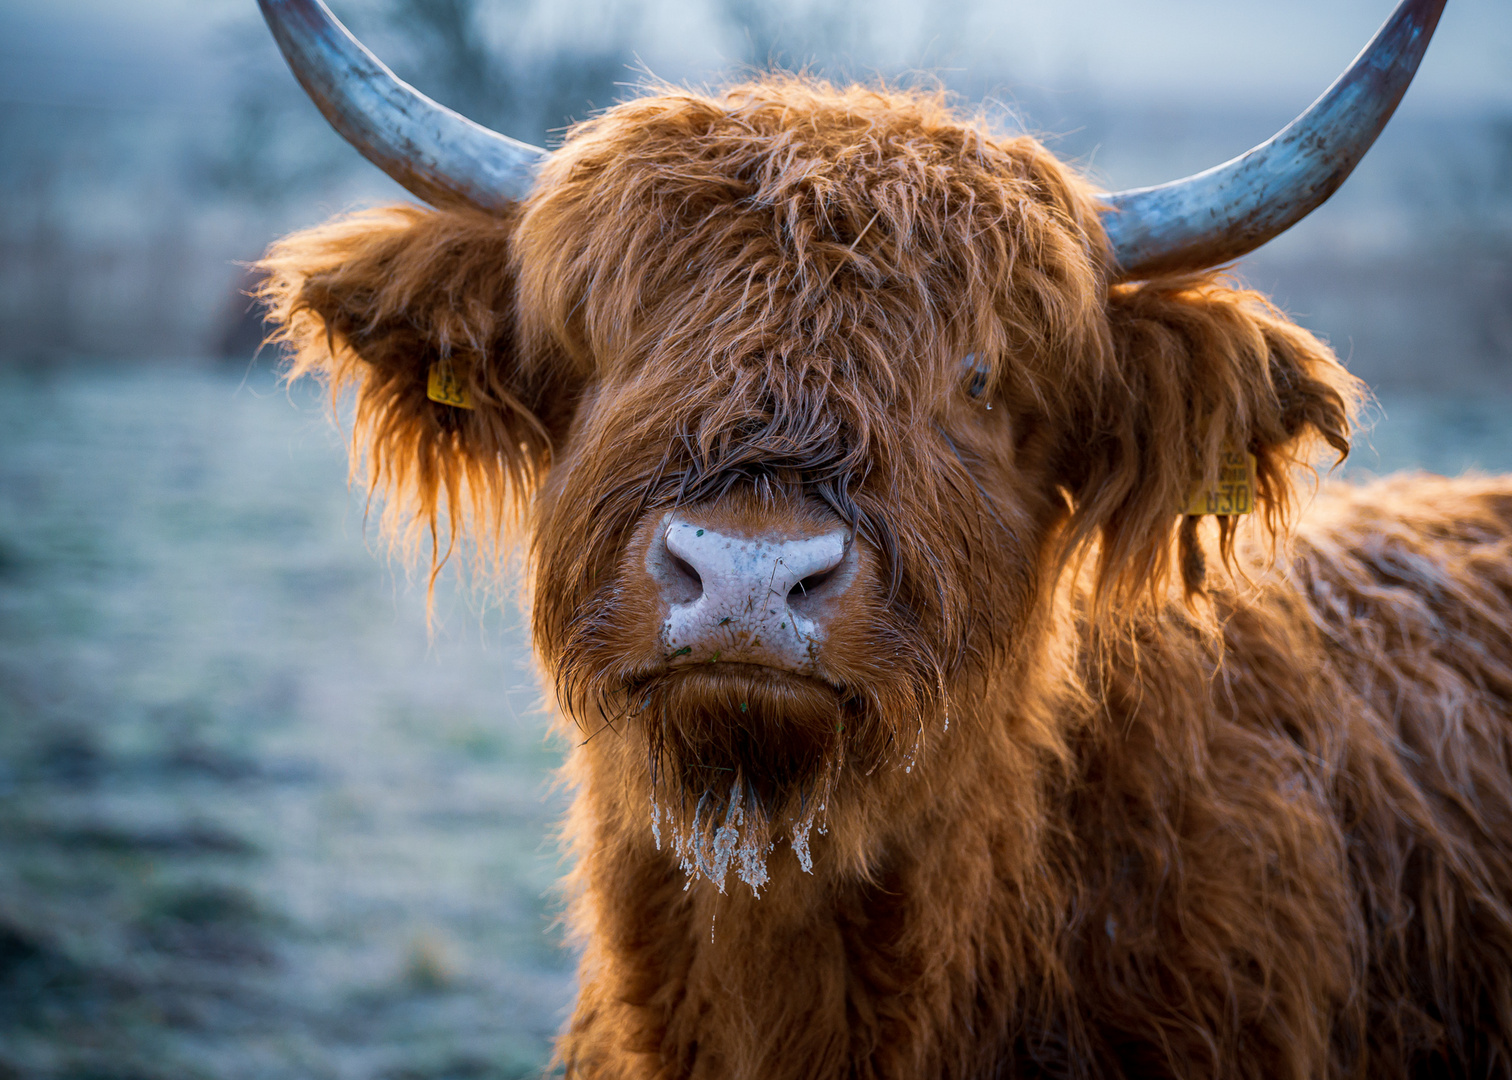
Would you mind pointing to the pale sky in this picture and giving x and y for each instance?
(1171, 51)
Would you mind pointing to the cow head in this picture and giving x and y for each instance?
(820, 409)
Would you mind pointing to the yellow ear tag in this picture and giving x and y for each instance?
(1235, 491)
(443, 386)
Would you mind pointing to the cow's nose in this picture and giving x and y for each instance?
(761, 600)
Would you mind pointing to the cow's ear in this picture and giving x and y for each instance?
(1203, 375)
(403, 305)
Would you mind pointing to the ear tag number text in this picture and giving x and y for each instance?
(1235, 491)
(442, 385)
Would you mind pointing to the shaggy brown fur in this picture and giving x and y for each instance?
(1100, 793)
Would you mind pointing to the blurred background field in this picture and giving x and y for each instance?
(254, 821)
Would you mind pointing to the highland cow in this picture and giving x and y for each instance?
(922, 723)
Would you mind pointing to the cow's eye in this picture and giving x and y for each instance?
(974, 372)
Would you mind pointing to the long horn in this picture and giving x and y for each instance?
(435, 153)
(1216, 216)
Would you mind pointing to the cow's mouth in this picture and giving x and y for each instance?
(778, 731)
(769, 676)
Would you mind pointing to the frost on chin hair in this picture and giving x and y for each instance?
(707, 849)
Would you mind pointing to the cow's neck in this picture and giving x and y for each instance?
(877, 962)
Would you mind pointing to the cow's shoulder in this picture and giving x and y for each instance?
(1409, 580)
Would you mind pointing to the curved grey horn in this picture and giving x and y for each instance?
(437, 154)
(1216, 216)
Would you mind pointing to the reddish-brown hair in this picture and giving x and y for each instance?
(1091, 809)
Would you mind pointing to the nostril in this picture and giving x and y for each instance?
(826, 579)
(673, 567)
(688, 577)
(815, 582)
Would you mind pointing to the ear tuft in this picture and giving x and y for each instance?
(369, 303)
(1202, 370)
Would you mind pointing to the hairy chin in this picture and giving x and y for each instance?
(779, 734)
(739, 756)
(784, 737)
(742, 757)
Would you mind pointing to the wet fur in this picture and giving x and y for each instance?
(1106, 792)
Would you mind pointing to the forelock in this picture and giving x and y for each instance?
(856, 240)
